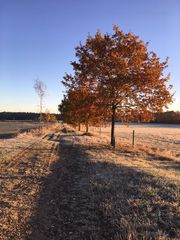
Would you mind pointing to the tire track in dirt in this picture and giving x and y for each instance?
(21, 179)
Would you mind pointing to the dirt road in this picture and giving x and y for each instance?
(25, 164)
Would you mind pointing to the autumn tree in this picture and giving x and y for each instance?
(128, 79)
(64, 109)
(49, 117)
(78, 107)
(68, 110)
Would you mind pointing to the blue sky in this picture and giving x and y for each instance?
(38, 37)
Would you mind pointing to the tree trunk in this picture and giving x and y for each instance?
(79, 127)
(40, 117)
(113, 126)
(87, 127)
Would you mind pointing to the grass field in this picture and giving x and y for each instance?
(66, 185)
(12, 128)
(160, 138)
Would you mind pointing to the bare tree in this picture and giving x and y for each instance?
(40, 89)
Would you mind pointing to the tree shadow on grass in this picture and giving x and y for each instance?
(171, 165)
(86, 198)
(167, 162)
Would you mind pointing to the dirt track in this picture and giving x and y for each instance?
(24, 166)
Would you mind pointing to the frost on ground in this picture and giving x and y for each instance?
(163, 139)
(24, 165)
(86, 190)
(9, 129)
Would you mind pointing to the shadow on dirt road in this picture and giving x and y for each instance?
(85, 198)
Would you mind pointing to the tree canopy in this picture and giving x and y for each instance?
(78, 107)
(124, 78)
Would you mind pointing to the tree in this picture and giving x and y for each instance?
(40, 89)
(167, 117)
(78, 107)
(48, 117)
(64, 110)
(128, 80)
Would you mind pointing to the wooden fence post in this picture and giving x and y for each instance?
(114, 142)
(133, 138)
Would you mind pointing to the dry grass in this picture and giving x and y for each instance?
(99, 193)
(90, 191)
(163, 140)
(24, 164)
(10, 129)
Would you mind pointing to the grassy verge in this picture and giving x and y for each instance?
(92, 194)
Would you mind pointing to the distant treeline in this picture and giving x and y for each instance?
(167, 117)
(170, 117)
(22, 116)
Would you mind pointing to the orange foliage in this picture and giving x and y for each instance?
(81, 107)
(121, 77)
(48, 117)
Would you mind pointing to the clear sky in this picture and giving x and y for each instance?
(38, 37)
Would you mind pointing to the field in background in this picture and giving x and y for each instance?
(12, 128)
(160, 138)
